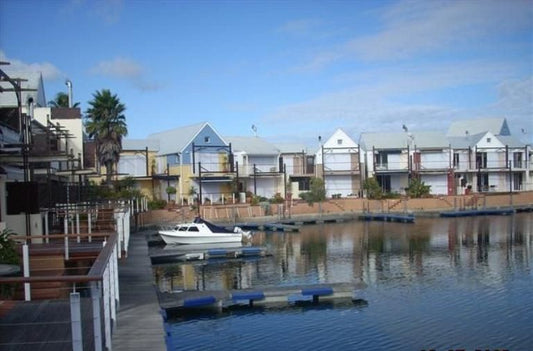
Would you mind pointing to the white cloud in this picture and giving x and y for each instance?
(515, 102)
(413, 27)
(109, 10)
(300, 27)
(48, 70)
(119, 68)
(385, 98)
(125, 69)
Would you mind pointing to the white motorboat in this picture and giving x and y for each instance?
(202, 232)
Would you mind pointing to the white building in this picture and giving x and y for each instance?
(339, 165)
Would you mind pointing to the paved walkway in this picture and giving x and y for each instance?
(139, 322)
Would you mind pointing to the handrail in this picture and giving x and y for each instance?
(96, 272)
(52, 236)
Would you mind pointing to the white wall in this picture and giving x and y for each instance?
(338, 184)
(438, 183)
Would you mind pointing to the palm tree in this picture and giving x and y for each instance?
(106, 123)
(61, 100)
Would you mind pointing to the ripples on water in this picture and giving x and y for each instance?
(437, 284)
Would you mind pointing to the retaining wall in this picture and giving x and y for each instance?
(243, 212)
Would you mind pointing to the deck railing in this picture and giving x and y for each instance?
(99, 286)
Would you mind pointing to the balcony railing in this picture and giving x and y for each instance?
(98, 288)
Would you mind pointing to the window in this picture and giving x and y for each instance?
(207, 140)
(456, 160)
(381, 160)
(488, 140)
(517, 159)
(481, 160)
(339, 141)
(193, 229)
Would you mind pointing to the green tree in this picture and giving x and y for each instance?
(373, 189)
(418, 188)
(106, 123)
(61, 100)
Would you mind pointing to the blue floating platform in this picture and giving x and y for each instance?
(388, 217)
(482, 212)
(199, 301)
(248, 295)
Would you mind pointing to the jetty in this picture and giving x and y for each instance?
(173, 303)
(388, 217)
(184, 253)
(479, 212)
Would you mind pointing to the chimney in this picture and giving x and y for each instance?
(69, 85)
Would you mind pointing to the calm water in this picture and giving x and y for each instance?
(437, 284)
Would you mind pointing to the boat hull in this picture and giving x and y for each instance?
(184, 238)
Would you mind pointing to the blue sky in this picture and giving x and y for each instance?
(294, 69)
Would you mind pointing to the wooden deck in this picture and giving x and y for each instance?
(41, 325)
(45, 324)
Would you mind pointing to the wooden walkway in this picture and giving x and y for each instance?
(139, 321)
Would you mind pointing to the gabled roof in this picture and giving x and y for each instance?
(140, 144)
(400, 140)
(497, 126)
(252, 146)
(339, 134)
(34, 80)
(176, 140)
(464, 142)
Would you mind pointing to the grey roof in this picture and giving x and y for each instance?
(175, 140)
(291, 148)
(140, 144)
(497, 126)
(34, 81)
(252, 146)
(399, 140)
(510, 141)
(464, 142)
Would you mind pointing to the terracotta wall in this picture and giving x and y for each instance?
(435, 204)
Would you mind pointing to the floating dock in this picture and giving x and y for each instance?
(180, 301)
(177, 253)
(387, 217)
(480, 212)
(269, 227)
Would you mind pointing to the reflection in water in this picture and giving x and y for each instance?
(440, 283)
(370, 251)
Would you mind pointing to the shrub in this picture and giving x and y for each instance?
(157, 204)
(418, 188)
(8, 250)
(277, 199)
(373, 189)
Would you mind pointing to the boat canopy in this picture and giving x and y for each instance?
(214, 228)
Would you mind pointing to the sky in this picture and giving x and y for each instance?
(295, 70)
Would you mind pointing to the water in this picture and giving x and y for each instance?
(441, 284)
